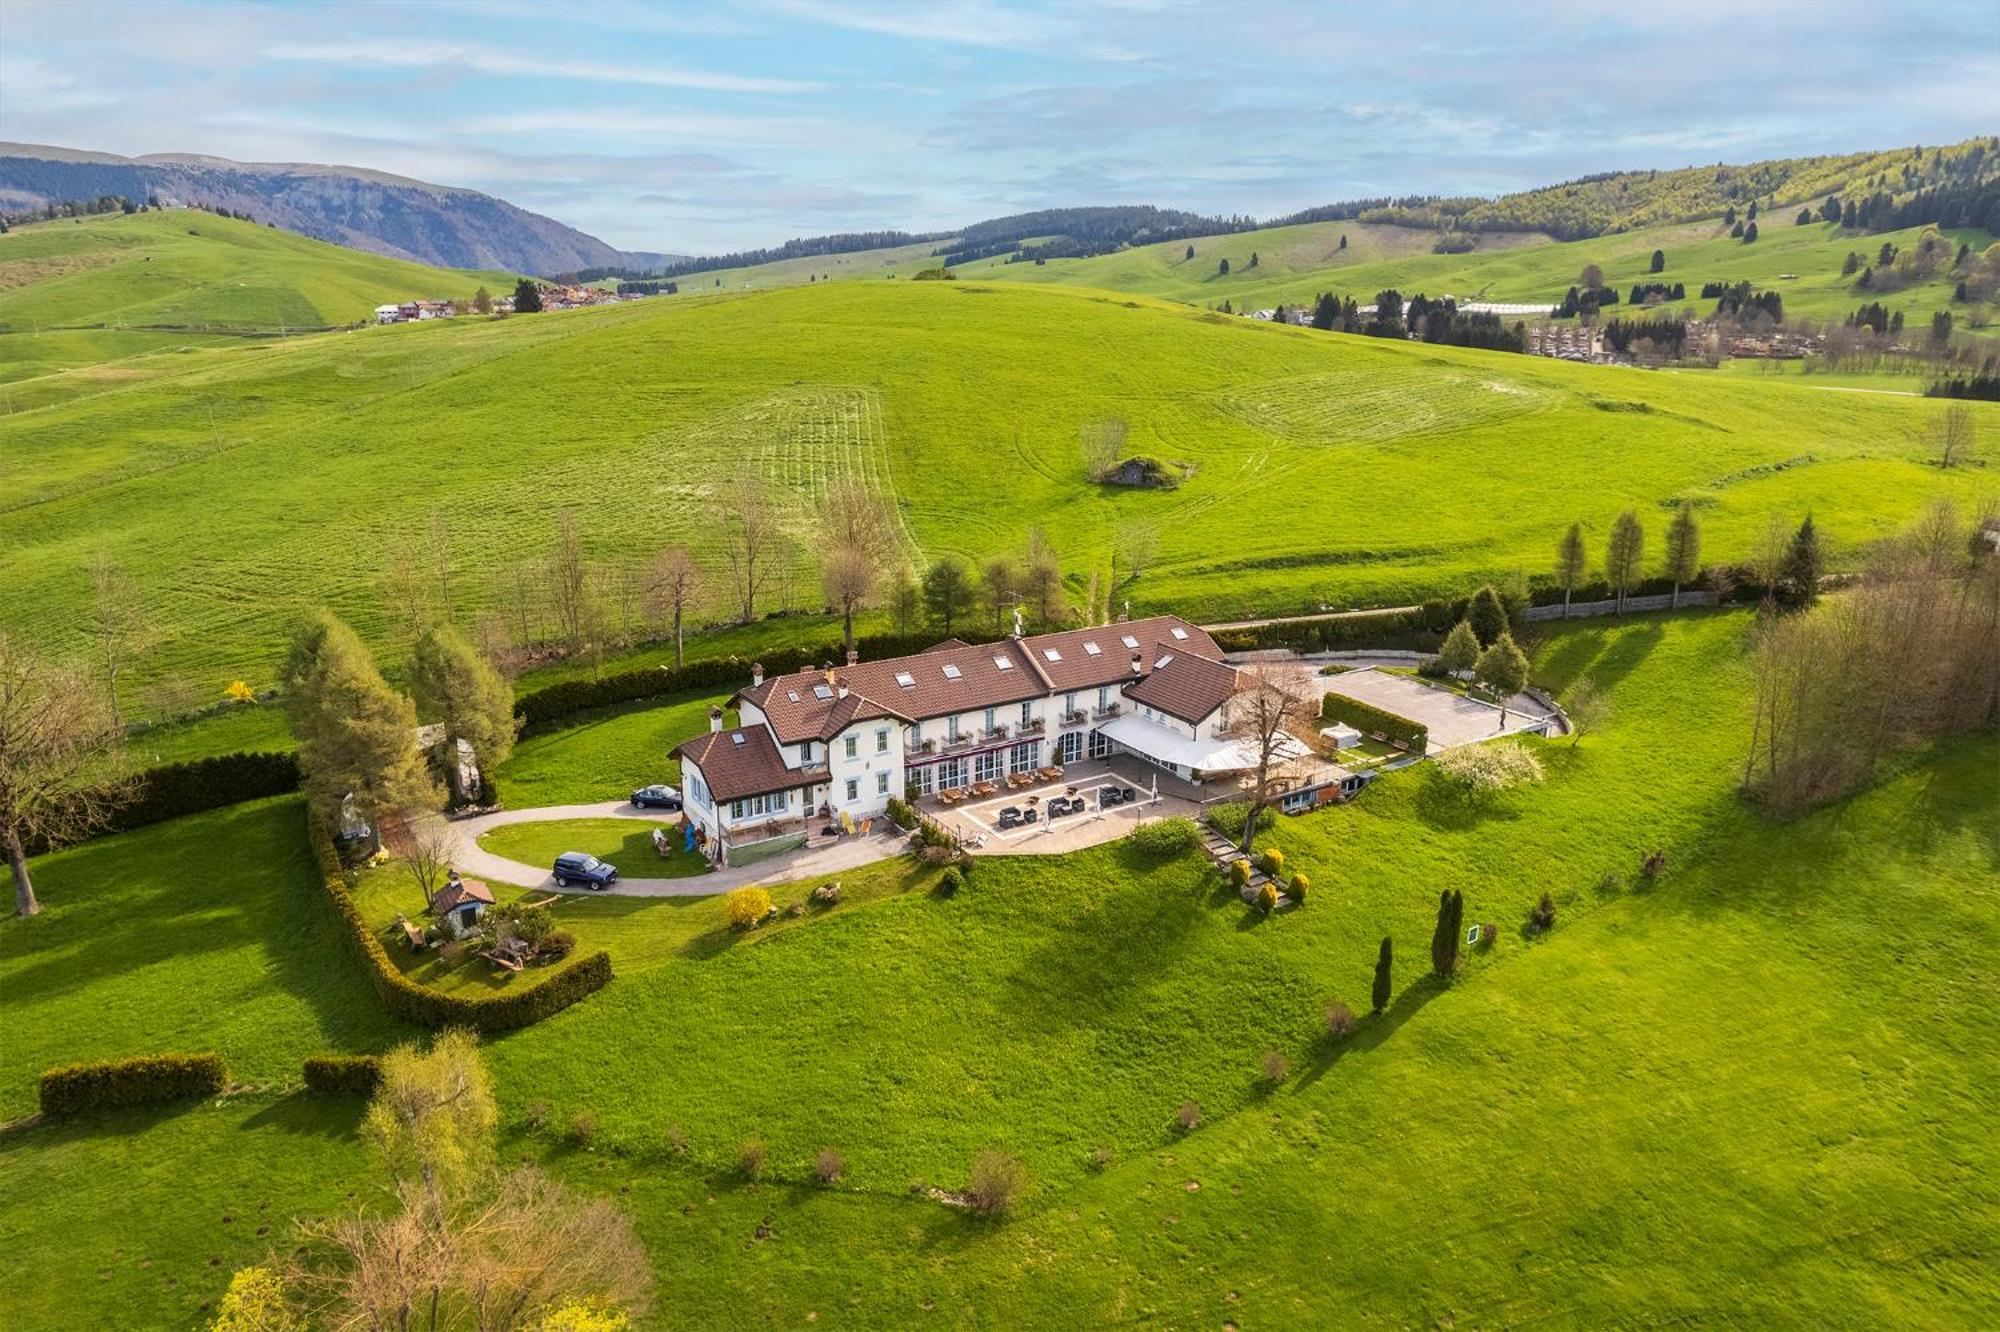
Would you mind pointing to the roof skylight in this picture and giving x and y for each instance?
(1129, 641)
(1003, 661)
(905, 679)
(1093, 649)
(951, 672)
(1052, 654)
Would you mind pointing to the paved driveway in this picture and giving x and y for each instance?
(808, 862)
(1453, 719)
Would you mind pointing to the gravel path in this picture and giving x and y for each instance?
(810, 862)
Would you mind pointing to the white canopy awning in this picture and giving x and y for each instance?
(1162, 745)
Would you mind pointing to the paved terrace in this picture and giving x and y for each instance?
(978, 820)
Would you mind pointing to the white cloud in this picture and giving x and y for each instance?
(511, 64)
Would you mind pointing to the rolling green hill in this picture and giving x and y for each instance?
(1759, 1090)
(239, 485)
(76, 292)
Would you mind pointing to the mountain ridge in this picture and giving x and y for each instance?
(448, 226)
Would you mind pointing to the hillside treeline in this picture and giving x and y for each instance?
(1085, 231)
(806, 247)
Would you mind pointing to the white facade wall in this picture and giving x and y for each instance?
(860, 783)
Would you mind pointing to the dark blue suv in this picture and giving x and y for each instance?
(576, 867)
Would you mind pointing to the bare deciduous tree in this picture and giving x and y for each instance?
(118, 623)
(428, 847)
(569, 582)
(1103, 446)
(858, 532)
(1041, 580)
(673, 584)
(751, 539)
(59, 761)
(1134, 546)
(1273, 700)
(1951, 435)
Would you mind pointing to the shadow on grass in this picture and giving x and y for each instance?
(1370, 1030)
(320, 1114)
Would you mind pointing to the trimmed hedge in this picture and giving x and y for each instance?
(355, 1075)
(1419, 630)
(419, 1004)
(543, 707)
(146, 1080)
(174, 789)
(1367, 718)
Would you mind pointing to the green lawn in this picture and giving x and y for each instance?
(1444, 466)
(1761, 1090)
(624, 842)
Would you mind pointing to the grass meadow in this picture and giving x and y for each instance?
(248, 483)
(79, 292)
(1760, 1089)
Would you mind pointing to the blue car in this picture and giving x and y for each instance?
(661, 796)
(573, 867)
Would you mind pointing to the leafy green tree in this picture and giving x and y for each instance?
(1623, 554)
(1487, 615)
(1460, 651)
(1503, 668)
(1384, 961)
(949, 593)
(1572, 562)
(482, 301)
(1798, 578)
(1683, 549)
(527, 297)
(1659, 261)
(456, 685)
(357, 736)
(256, 1302)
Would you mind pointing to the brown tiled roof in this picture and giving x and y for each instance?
(742, 762)
(797, 712)
(1185, 685)
(1078, 667)
(455, 895)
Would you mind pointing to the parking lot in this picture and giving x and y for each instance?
(1453, 719)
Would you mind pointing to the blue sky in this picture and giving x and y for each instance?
(706, 127)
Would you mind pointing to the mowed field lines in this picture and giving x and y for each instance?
(238, 485)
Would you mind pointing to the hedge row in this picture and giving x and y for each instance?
(174, 789)
(1368, 719)
(542, 707)
(406, 999)
(142, 1081)
(352, 1074)
(1421, 629)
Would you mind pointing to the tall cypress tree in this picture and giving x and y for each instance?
(1383, 963)
(1444, 939)
(1798, 583)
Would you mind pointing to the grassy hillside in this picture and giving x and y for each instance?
(78, 291)
(1760, 1090)
(1327, 469)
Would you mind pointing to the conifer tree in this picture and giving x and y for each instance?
(1798, 583)
(456, 686)
(357, 736)
(1683, 549)
(1461, 649)
(1659, 261)
(1623, 553)
(1572, 560)
(1487, 614)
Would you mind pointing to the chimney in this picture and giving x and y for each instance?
(715, 719)
(853, 656)
(840, 688)
(756, 674)
(1138, 664)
